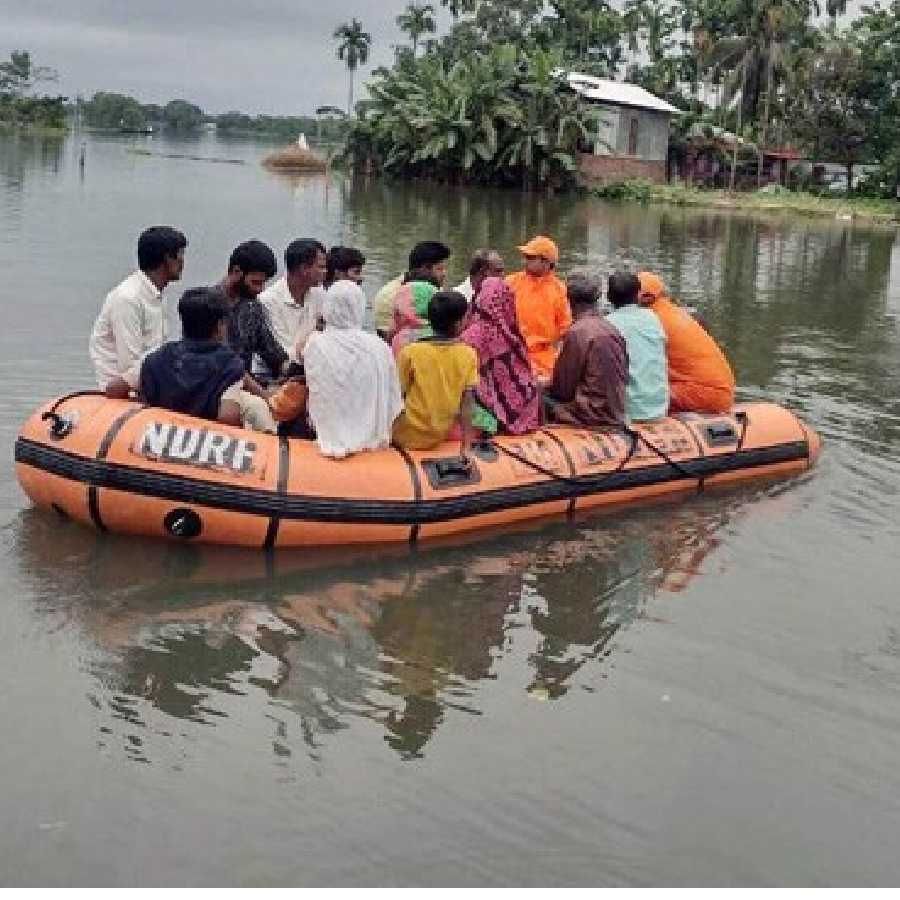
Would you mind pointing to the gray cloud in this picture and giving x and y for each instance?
(259, 56)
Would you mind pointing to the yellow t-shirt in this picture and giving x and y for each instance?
(434, 375)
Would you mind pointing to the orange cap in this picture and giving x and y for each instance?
(541, 246)
(652, 287)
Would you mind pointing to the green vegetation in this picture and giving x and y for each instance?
(471, 109)
(18, 108)
(772, 199)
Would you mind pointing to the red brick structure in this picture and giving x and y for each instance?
(606, 169)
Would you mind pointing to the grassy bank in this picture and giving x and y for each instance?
(771, 200)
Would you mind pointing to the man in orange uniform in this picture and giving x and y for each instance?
(700, 379)
(542, 307)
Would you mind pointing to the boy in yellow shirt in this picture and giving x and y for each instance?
(438, 377)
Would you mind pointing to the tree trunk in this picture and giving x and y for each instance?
(849, 167)
(737, 135)
(350, 97)
(765, 128)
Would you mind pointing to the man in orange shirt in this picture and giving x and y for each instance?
(700, 379)
(542, 307)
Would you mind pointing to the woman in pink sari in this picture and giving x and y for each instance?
(509, 399)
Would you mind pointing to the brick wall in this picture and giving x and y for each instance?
(605, 169)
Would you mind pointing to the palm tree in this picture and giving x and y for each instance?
(416, 20)
(353, 49)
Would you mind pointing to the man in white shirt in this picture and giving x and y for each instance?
(294, 302)
(485, 264)
(132, 321)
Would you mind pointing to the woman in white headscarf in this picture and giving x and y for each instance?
(354, 391)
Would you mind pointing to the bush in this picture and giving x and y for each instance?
(634, 190)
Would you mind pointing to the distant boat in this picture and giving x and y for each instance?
(146, 129)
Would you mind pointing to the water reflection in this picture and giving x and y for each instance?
(24, 154)
(403, 639)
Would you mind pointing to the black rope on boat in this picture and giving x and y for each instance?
(72, 396)
(565, 479)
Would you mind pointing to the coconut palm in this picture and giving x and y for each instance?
(417, 19)
(353, 49)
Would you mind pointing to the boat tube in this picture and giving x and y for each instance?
(134, 469)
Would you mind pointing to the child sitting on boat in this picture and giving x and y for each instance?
(438, 377)
(200, 375)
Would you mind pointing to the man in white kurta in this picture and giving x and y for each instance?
(295, 302)
(132, 321)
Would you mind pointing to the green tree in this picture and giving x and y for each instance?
(179, 115)
(839, 104)
(417, 19)
(114, 111)
(353, 49)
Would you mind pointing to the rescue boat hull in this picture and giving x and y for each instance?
(123, 467)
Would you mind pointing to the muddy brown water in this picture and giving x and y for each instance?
(699, 692)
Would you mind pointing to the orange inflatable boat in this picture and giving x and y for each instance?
(128, 468)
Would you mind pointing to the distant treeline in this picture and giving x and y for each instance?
(113, 111)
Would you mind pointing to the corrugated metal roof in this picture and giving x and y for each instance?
(620, 92)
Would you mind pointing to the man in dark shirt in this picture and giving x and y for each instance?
(193, 375)
(200, 375)
(591, 373)
(251, 265)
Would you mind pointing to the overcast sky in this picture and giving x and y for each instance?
(258, 56)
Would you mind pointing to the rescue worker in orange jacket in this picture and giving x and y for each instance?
(700, 378)
(542, 307)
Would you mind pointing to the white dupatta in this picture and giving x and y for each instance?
(354, 391)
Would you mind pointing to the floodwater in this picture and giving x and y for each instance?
(700, 692)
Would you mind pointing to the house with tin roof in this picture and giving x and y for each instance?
(632, 139)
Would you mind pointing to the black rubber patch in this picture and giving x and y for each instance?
(417, 489)
(284, 464)
(102, 451)
(183, 523)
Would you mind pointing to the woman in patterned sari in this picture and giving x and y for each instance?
(508, 397)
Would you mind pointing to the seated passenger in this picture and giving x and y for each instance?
(700, 379)
(249, 329)
(508, 399)
(486, 263)
(294, 302)
(647, 393)
(354, 392)
(200, 375)
(343, 264)
(591, 373)
(541, 306)
(132, 321)
(438, 377)
(427, 273)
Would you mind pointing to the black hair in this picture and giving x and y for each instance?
(446, 309)
(302, 252)
(582, 290)
(428, 253)
(253, 256)
(624, 288)
(340, 259)
(201, 309)
(480, 261)
(156, 244)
